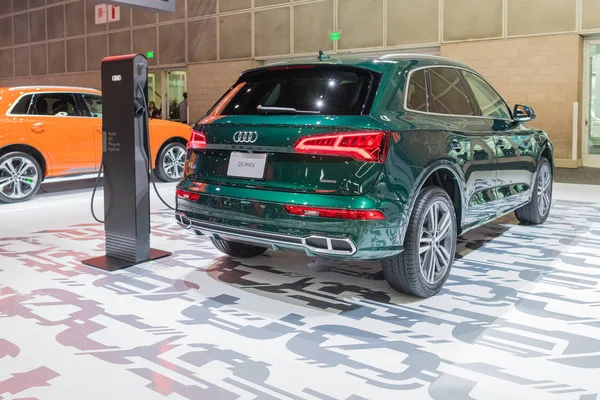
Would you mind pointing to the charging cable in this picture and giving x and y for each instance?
(96, 187)
(148, 152)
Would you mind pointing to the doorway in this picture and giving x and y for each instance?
(591, 112)
(166, 89)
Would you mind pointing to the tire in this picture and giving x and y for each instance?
(237, 250)
(404, 273)
(171, 162)
(537, 210)
(20, 177)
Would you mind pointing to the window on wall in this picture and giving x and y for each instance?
(448, 94)
(490, 103)
(416, 98)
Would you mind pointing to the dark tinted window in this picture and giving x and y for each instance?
(331, 91)
(22, 106)
(416, 98)
(94, 104)
(490, 103)
(59, 104)
(448, 94)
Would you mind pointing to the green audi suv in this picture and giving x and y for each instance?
(363, 159)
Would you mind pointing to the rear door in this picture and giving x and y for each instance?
(300, 129)
(92, 106)
(513, 142)
(57, 126)
(470, 142)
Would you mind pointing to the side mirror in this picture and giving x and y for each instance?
(523, 113)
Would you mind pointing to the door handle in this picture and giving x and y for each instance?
(38, 127)
(456, 145)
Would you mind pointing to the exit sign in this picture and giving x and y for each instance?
(149, 55)
(335, 35)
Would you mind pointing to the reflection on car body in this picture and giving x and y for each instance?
(366, 159)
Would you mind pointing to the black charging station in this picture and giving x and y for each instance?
(126, 156)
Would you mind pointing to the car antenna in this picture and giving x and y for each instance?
(323, 56)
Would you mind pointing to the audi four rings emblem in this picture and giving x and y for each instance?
(245, 137)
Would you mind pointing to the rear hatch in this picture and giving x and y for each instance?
(298, 129)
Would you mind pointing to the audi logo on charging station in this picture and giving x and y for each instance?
(245, 137)
(117, 78)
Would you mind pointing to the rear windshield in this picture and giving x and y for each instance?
(321, 90)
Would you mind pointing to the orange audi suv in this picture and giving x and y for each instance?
(57, 131)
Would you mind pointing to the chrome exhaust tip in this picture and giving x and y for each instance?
(183, 221)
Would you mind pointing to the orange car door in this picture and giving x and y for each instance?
(57, 127)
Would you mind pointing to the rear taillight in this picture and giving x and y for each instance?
(185, 195)
(197, 141)
(361, 215)
(368, 146)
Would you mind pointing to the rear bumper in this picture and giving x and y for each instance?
(312, 245)
(264, 222)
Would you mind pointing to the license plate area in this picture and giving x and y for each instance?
(247, 165)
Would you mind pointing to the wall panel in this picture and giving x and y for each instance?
(5, 7)
(264, 3)
(56, 22)
(75, 55)
(144, 40)
(272, 32)
(75, 14)
(530, 17)
(171, 47)
(361, 23)
(22, 61)
(21, 29)
(37, 26)
(590, 14)
(420, 25)
(6, 34)
(202, 40)
(6, 63)
(233, 5)
(56, 57)
(38, 59)
(472, 19)
(96, 51)
(198, 8)
(312, 24)
(235, 36)
(119, 43)
(19, 5)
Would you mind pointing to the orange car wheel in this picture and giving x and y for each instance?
(171, 161)
(20, 177)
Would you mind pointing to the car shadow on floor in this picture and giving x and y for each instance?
(330, 285)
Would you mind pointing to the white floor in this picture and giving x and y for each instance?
(519, 317)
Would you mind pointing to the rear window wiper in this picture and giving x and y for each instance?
(283, 110)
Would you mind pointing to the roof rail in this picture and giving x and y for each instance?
(412, 55)
(60, 87)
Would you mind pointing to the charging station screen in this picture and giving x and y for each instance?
(158, 5)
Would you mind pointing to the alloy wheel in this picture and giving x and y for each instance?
(18, 178)
(544, 187)
(173, 162)
(435, 244)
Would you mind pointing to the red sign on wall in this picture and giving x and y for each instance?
(107, 13)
